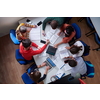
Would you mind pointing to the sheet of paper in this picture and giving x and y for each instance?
(67, 67)
(52, 30)
(34, 36)
(59, 63)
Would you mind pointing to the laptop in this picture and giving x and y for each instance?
(50, 63)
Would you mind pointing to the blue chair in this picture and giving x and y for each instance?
(31, 68)
(90, 70)
(13, 37)
(26, 79)
(88, 20)
(97, 39)
(86, 49)
(78, 33)
(20, 58)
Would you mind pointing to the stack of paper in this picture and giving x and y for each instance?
(34, 34)
(63, 52)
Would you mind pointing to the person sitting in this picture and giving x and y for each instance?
(36, 75)
(23, 30)
(78, 65)
(27, 51)
(69, 33)
(54, 22)
(77, 49)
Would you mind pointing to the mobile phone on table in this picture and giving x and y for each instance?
(42, 41)
(39, 23)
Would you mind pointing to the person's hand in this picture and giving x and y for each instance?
(35, 26)
(38, 47)
(43, 33)
(59, 33)
(67, 48)
(47, 68)
(56, 46)
(47, 41)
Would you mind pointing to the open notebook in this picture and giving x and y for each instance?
(63, 52)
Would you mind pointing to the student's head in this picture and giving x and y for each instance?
(68, 30)
(75, 49)
(22, 29)
(35, 76)
(26, 43)
(54, 24)
(72, 63)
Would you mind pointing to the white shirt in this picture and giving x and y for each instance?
(80, 68)
(80, 53)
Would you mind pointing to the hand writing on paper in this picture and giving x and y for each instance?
(43, 33)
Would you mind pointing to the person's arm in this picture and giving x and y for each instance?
(71, 36)
(22, 24)
(40, 50)
(34, 44)
(45, 22)
(31, 26)
(45, 74)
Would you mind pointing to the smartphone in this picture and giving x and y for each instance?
(42, 41)
(39, 23)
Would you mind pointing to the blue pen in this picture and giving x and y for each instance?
(62, 66)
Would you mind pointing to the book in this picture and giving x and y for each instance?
(54, 38)
(51, 50)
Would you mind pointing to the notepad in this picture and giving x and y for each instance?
(51, 50)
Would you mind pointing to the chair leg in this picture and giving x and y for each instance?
(80, 19)
(89, 32)
(97, 49)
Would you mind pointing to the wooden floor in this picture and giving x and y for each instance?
(11, 70)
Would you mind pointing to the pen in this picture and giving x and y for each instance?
(62, 66)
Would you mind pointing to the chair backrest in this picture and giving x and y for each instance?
(86, 49)
(97, 39)
(13, 37)
(90, 69)
(31, 68)
(77, 29)
(26, 79)
(89, 22)
(20, 58)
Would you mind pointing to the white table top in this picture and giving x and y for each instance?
(96, 23)
(40, 59)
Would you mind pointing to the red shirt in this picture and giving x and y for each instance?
(28, 54)
(67, 39)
